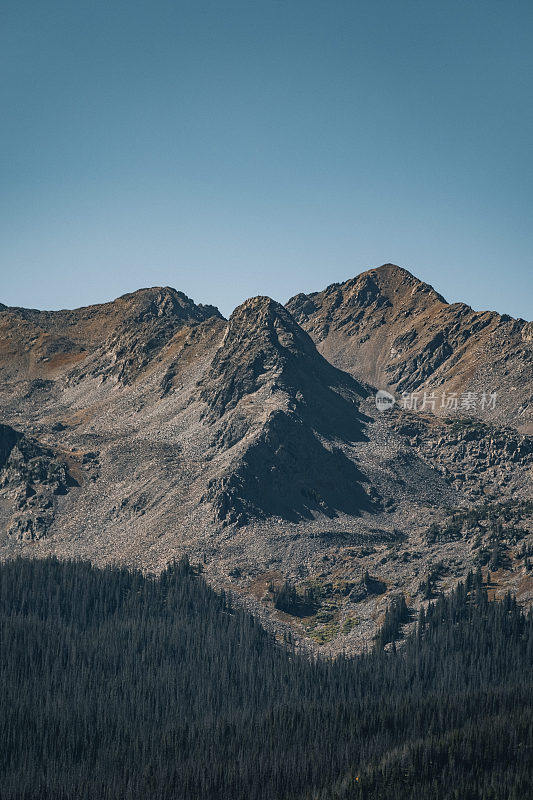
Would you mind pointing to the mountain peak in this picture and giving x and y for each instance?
(391, 329)
(391, 276)
(264, 344)
(276, 400)
(258, 311)
(387, 285)
(390, 268)
(260, 301)
(120, 336)
(156, 301)
(262, 319)
(261, 339)
(392, 283)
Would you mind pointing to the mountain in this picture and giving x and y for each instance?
(396, 332)
(279, 406)
(112, 339)
(148, 427)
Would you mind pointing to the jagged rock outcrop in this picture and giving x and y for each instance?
(31, 478)
(264, 347)
(478, 458)
(151, 319)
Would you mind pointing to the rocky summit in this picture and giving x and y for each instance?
(394, 331)
(148, 427)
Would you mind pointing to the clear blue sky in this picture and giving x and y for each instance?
(238, 148)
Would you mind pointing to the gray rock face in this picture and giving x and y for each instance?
(31, 478)
(263, 343)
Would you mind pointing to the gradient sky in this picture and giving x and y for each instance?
(237, 148)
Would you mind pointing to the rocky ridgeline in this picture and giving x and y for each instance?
(394, 331)
(150, 320)
(117, 339)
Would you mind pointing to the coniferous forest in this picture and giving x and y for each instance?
(115, 685)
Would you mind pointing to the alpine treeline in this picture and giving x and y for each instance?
(117, 686)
